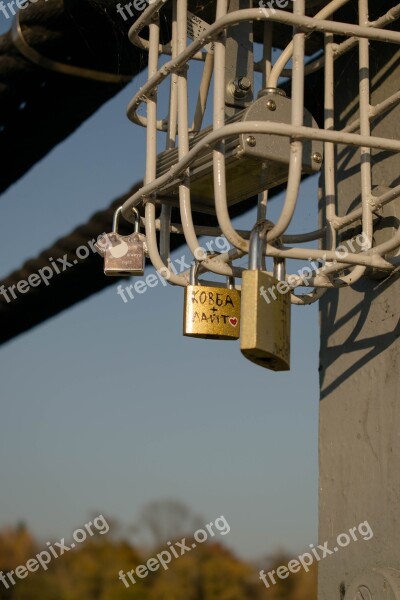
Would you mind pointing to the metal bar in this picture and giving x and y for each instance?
(226, 66)
(307, 24)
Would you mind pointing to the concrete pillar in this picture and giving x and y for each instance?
(360, 380)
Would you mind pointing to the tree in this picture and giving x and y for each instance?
(166, 520)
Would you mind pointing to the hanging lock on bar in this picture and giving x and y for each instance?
(265, 328)
(211, 312)
(123, 255)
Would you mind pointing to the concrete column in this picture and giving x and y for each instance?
(360, 380)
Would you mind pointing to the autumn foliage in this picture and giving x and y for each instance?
(90, 572)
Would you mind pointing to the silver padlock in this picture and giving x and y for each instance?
(123, 255)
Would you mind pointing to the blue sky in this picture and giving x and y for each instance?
(107, 406)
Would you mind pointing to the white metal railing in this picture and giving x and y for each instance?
(180, 132)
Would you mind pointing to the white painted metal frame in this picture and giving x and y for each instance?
(178, 130)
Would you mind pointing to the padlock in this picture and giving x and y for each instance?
(124, 255)
(210, 312)
(266, 307)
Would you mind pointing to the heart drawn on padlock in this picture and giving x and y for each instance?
(233, 321)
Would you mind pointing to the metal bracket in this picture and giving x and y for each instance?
(239, 67)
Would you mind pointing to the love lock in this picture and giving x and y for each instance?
(265, 330)
(212, 313)
(123, 255)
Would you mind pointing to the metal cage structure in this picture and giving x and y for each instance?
(262, 138)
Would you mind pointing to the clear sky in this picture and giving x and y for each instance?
(107, 406)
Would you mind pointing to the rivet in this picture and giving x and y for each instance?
(251, 141)
(317, 157)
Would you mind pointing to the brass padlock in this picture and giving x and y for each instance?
(124, 255)
(265, 327)
(210, 312)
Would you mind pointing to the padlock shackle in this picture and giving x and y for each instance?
(256, 256)
(257, 239)
(116, 219)
(230, 282)
(194, 270)
(117, 216)
(193, 277)
(280, 269)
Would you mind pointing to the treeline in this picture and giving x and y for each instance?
(90, 572)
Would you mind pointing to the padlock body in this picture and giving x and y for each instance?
(211, 312)
(124, 255)
(265, 326)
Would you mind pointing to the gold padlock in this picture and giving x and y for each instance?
(210, 312)
(265, 327)
(124, 255)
